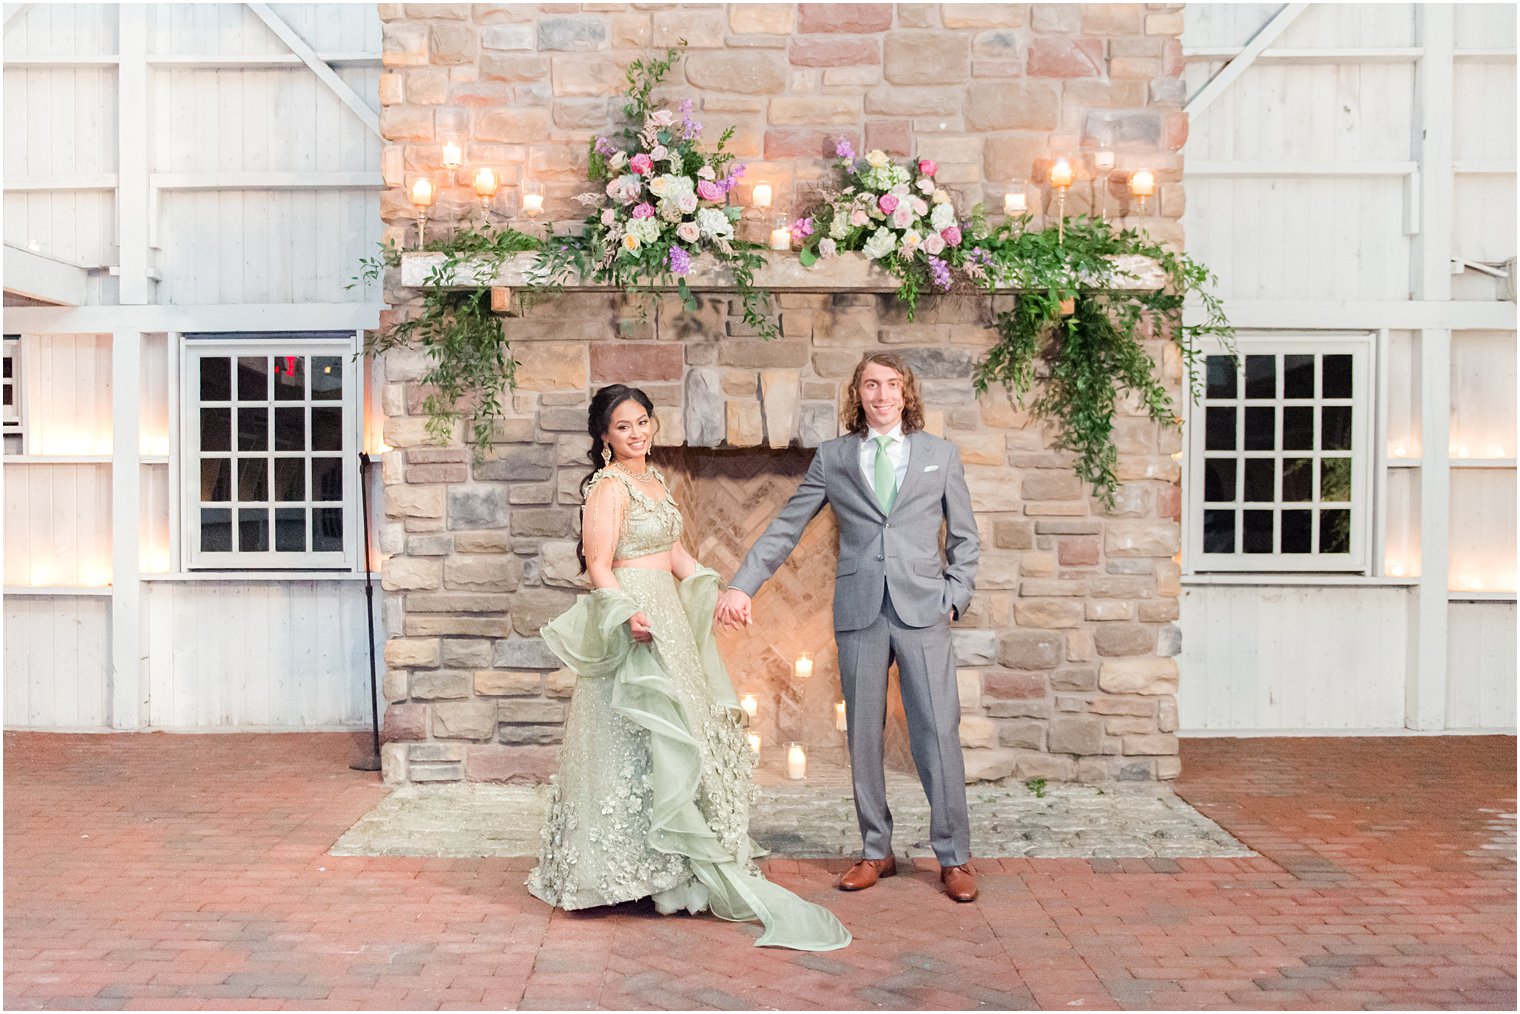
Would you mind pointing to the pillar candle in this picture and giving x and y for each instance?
(796, 762)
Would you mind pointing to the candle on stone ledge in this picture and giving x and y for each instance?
(760, 195)
(750, 705)
(1142, 183)
(453, 157)
(781, 234)
(796, 762)
(803, 667)
(753, 739)
(533, 198)
(1104, 160)
(1061, 174)
(422, 192)
(840, 722)
(1015, 202)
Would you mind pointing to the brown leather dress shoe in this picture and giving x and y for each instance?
(960, 883)
(866, 872)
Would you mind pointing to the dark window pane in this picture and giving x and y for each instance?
(1219, 480)
(1259, 480)
(253, 479)
(326, 378)
(216, 429)
(1257, 532)
(1261, 376)
(1298, 428)
(253, 429)
(327, 429)
(1335, 479)
(1298, 376)
(8, 367)
(1219, 531)
(5, 397)
(289, 479)
(253, 531)
(216, 378)
(216, 480)
(289, 378)
(290, 530)
(216, 530)
(1298, 480)
(1221, 377)
(1298, 531)
(1335, 531)
(327, 530)
(327, 479)
(290, 429)
(1261, 429)
(253, 378)
(1219, 433)
(1335, 427)
(1335, 375)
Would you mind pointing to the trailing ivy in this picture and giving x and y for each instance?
(1088, 334)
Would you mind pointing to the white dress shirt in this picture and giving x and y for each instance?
(897, 453)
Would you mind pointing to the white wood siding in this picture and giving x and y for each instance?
(1293, 658)
(275, 655)
(1481, 660)
(57, 525)
(56, 651)
(66, 382)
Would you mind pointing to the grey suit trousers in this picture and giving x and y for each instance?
(926, 673)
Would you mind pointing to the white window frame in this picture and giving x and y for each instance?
(11, 418)
(197, 347)
(1362, 347)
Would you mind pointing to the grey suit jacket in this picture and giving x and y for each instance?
(897, 551)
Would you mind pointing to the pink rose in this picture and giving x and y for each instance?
(641, 164)
(858, 218)
(951, 234)
(902, 217)
(887, 203)
(609, 217)
(927, 166)
(709, 191)
(645, 210)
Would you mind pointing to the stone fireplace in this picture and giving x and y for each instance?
(1065, 660)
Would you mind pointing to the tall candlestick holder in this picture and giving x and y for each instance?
(1060, 178)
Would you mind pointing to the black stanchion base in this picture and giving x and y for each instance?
(370, 763)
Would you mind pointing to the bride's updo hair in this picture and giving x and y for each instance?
(598, 419)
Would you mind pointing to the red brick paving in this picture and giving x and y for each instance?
(190, 872)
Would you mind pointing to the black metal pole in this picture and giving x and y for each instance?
(372, 762)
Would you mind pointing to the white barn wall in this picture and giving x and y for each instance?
(1480, 693)
(56, 654)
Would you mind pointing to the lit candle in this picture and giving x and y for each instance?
(453, 158)
(1060, 174)
(750, 705)
(1496, 451)
(754, 742)
(1015, 202)
(422, 192)
(1142, 183)
(1473, 582)
(1104, 160)
(796, 762)
(95, 577)
(1395, 570)
(803, 667)
(839, 719)
(486, 183)
(1399, 451)
(781, 234)
(1460, 450)
(760, 196)
(533, 198)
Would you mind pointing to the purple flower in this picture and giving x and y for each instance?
(802, 229)
(689, 128)
(644, 210)
(844, 149)
(605, 148)
(940, 271)
(980, 256)
(679, 260)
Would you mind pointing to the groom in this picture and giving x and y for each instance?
(890, 485)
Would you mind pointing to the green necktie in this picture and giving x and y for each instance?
(886, 476)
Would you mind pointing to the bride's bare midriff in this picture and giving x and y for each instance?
(654, 561)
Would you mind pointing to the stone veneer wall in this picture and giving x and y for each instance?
(1066, 658)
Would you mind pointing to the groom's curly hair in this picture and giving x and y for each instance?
(853, 417)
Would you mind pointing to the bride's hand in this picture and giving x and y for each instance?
(638, 625)
(733, 608)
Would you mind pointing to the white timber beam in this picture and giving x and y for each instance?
(324, 72)
(132, 154)
(96, 181)
(268, 181)
(1430, 279)
(127, 687)
(39, 277)
(1230, 72)
(1364, 315)
(13, 12)
(1252, 167)
(224, 317)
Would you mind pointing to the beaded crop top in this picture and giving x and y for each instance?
(649, 525)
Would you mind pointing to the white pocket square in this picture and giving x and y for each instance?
(931, 468)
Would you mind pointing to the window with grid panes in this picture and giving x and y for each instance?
(1279, 469)
(271, 438)
(10, 384)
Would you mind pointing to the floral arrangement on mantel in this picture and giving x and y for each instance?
(664, 201)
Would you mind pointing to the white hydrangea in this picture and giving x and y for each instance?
(839, 228)
(714, 223)
(646, 229)
(943, 216)
(881, 242)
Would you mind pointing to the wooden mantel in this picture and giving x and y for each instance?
(850, 272)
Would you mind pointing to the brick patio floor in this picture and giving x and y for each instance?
(189, 872)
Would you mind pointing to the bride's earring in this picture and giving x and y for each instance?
(606, 456)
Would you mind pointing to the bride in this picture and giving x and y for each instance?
(652, 795)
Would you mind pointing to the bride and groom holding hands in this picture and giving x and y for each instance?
(651, 798)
